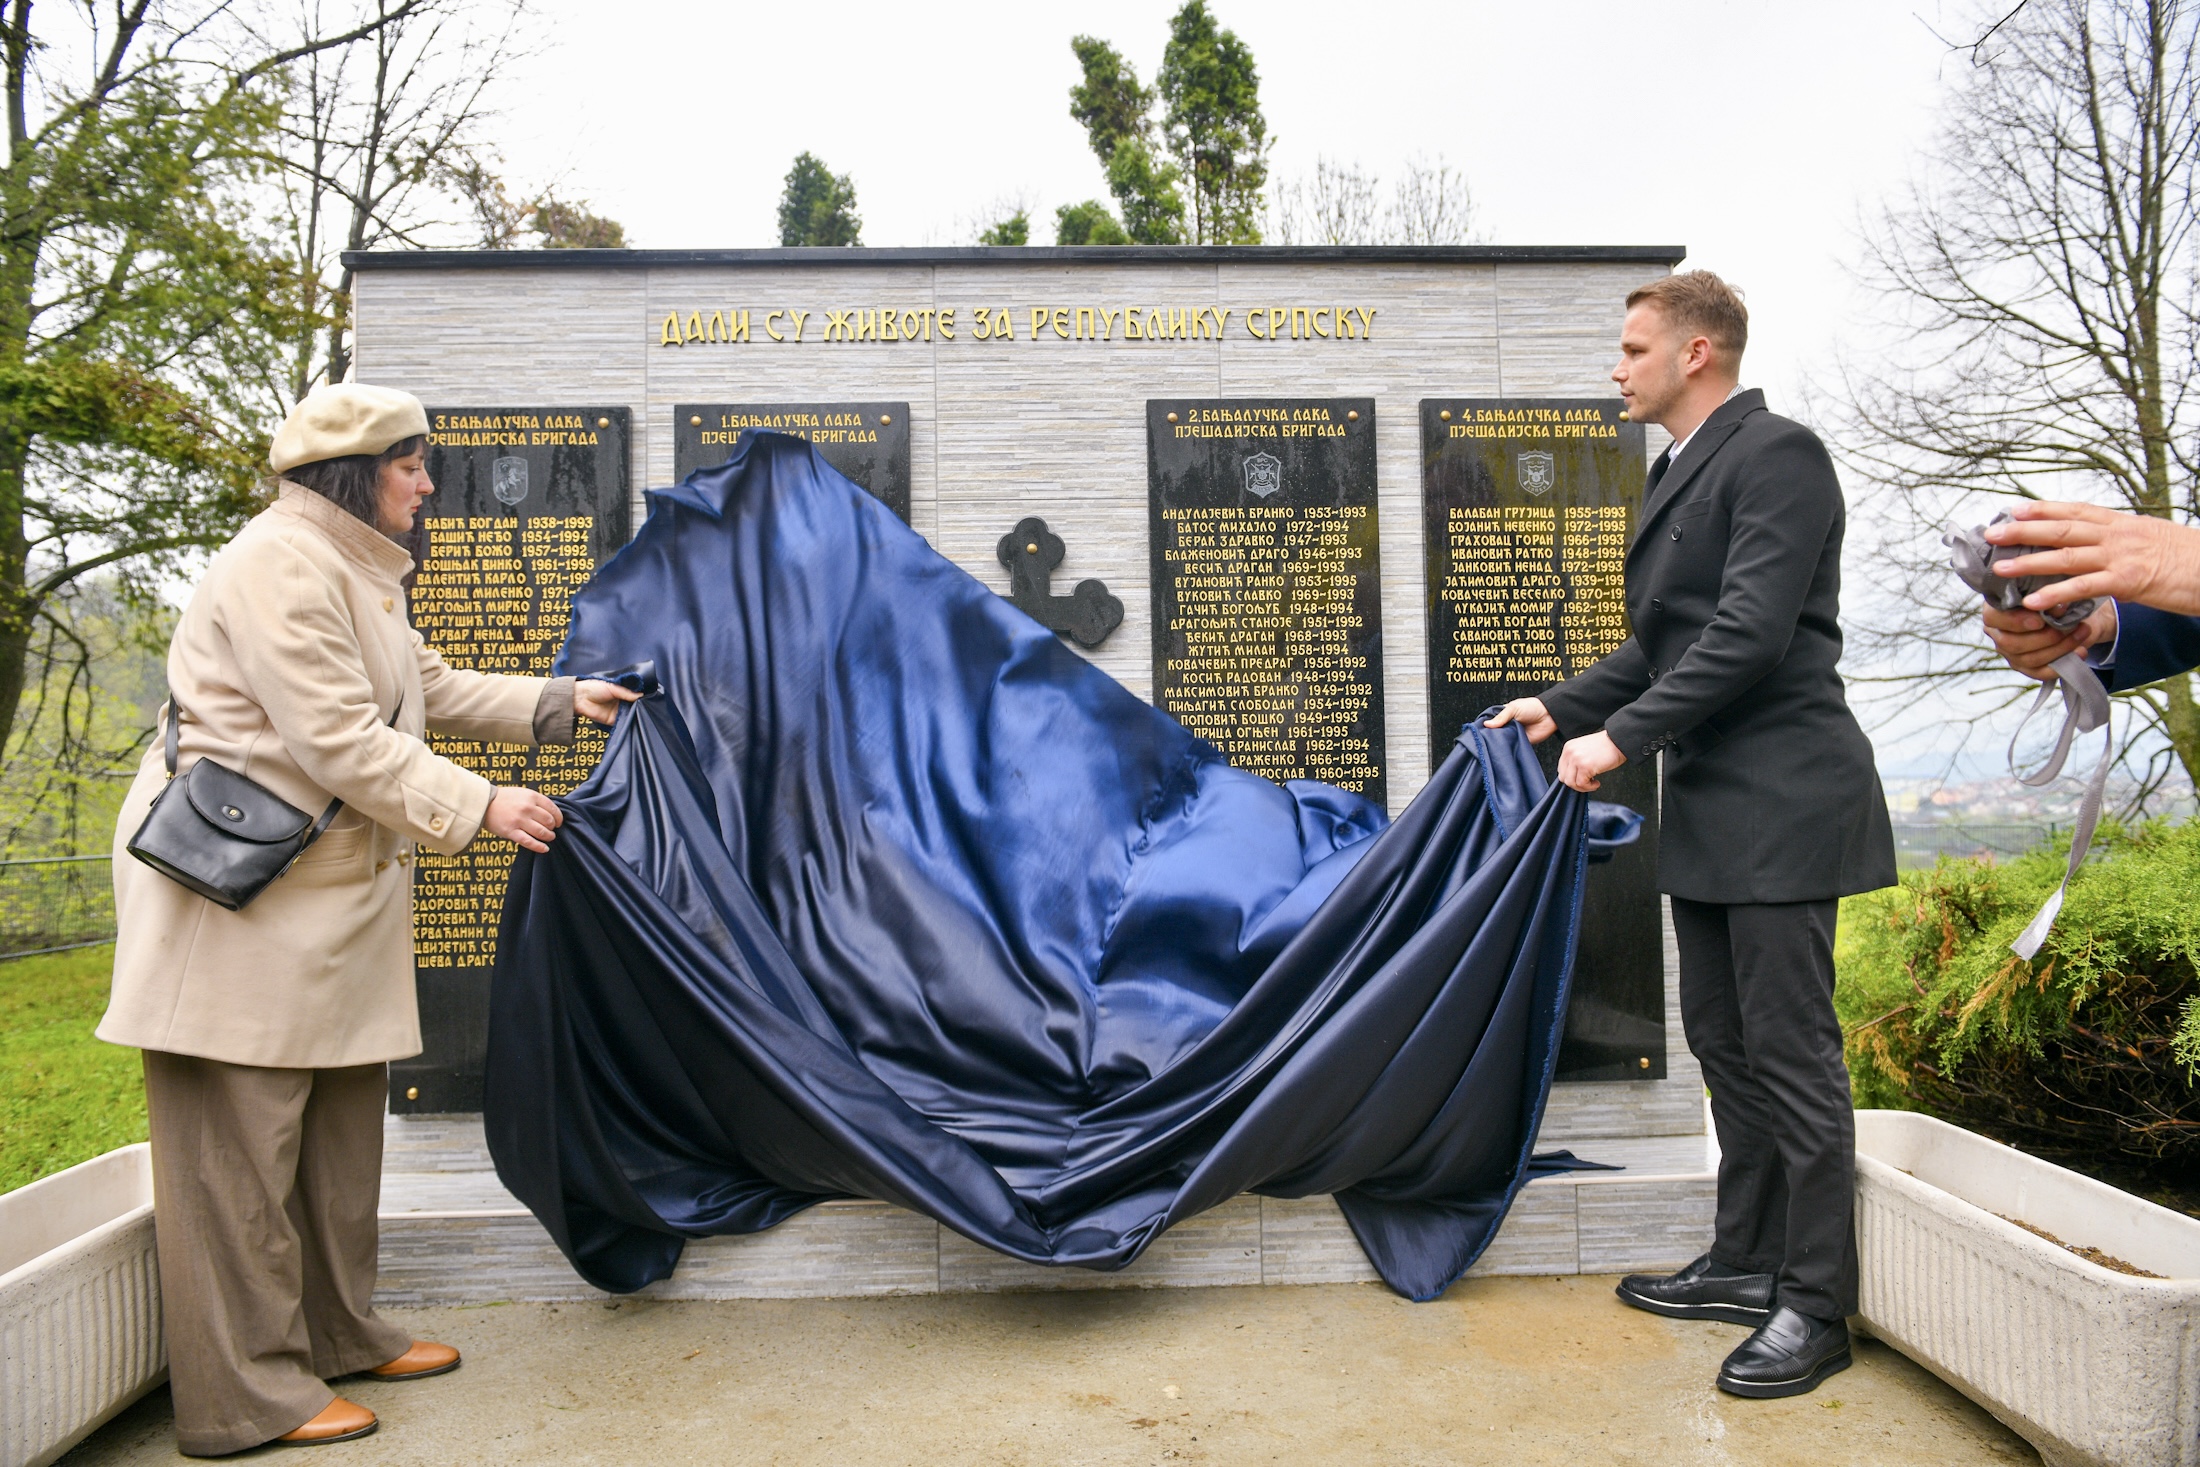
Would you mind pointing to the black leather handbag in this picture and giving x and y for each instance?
(220, 834)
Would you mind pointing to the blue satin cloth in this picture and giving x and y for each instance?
(885, 892)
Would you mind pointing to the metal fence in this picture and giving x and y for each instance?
(1919, 843)
(53, 903)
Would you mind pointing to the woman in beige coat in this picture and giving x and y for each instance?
(268, 1031)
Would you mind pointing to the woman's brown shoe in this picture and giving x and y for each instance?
(340, 1421)
(424, 1359)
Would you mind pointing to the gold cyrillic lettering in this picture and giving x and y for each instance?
(1316, 318)
(1367, 321)
(669, 333)
(838, 326)
(771, 330)
(1300, 326)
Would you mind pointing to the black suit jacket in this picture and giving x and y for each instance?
(1734, 589)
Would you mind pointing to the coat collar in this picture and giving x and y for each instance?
(1708, 439)
(358, 540)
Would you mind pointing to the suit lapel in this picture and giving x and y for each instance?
(1709, 439)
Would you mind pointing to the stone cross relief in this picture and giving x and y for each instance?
(1031, 552)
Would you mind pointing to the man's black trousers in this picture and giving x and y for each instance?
(1757, 1003)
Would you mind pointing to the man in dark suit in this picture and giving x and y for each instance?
(1771, 811)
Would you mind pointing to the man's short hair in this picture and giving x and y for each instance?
(1700, 304)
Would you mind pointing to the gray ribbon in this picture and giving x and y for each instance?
(2085, 702)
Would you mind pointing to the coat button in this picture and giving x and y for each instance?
(436, 824)
(1676, 532)
(1656, 604)
(389, 603)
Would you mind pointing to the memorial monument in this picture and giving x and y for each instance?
(1245, 449)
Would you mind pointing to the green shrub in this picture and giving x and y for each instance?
(2089, 1051)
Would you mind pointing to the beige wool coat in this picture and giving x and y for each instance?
(288, 662)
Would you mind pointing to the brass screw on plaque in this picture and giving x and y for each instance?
(1031, 547)
(885, 418)
(1352, 416)
(603, 422)
(1623, 415)
(1172, 417)
(412, 1092)
(695, 422)
(1445, 415)
(1645, 1062)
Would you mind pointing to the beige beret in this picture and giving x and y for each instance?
(344, 419)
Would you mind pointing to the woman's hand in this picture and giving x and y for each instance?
(1534, 719)
(598, 701)
(523, 816)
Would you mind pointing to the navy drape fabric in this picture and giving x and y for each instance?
(887, 893)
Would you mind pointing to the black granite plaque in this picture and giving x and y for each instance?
(528, 502)
(867, 441)
(1530, 506)
(1267, 590)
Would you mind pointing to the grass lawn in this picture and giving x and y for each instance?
(64, 1096)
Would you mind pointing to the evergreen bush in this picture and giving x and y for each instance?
(2089, 1052)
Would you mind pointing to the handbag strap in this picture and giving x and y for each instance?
(169, 741)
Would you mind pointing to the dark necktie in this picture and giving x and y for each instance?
(1657, 470)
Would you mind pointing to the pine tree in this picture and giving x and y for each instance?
(818, 206)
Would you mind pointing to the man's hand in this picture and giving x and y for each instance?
(2030, 645)
(523, 816)
(1583, 759)
(598, 701)
(2101, 552)
(1534, 719)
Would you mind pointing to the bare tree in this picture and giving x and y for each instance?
(1432, 205)
(385, 143)
(1343, 203)
(1338, 203)
(2037, 290)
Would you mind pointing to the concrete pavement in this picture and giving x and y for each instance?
(1501, 1370)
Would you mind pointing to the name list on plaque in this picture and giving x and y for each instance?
(867, 441)
(1267, 584)
(1529, 507)
(528, 502)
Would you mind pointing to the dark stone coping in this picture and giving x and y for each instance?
(1022, 254)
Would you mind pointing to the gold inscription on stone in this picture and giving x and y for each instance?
(494, 595)
(1539, 593)
(887, 323)
(1265, 602)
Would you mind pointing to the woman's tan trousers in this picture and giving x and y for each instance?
(265, 1187)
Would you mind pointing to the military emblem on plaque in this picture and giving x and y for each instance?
(1031, 552)
(1537, 472)
(508, 480)
(1263, 475)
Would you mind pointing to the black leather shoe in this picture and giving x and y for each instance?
(1788, 1356)
(1703, 1290)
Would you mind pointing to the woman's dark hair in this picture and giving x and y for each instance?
(353, 482)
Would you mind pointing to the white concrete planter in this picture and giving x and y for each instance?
(2088, 1364)
(79, 1304)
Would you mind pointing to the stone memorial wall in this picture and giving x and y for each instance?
(1326, 627)
(528, 502)
(1267, 583)
(867, 441)
(1529, 506)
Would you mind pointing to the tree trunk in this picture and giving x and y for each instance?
(2181, 721)
(18, 612)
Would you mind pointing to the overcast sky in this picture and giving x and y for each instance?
(1757, 135)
